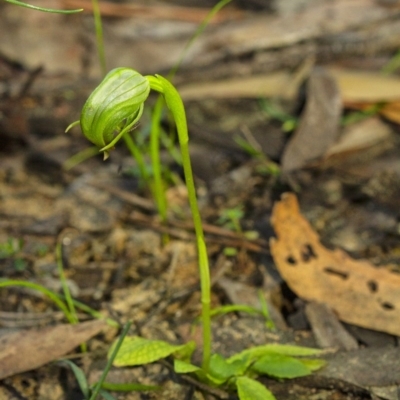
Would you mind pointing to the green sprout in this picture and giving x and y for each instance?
(230, 218)
(11, 249)
(273, 111)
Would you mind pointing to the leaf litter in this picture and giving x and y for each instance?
(29, 349)
(357, 291)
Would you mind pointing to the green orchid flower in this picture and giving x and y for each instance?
(113, 108)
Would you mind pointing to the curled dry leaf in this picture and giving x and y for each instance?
(360, 293)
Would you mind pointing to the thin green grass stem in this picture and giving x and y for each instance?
(175, 105)
(138, 156)
(58, 300)
(64, 284)
(67, 292)
(392, 65)
(203, 25)
(103, 376)
(80, 157)
(99, 36)
(49, 10)
(168, 142)
(265, 311)
(93, 313)
(51, 295)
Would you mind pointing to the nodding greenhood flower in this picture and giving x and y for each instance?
(114, 107)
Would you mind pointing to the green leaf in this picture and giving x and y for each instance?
(256, 352)
(292, 350)
(138, 351)
(250, 389)
(280, 366)
(80, 377)
(313, 364)
(183, 367)
(186, 351)
(222, 370)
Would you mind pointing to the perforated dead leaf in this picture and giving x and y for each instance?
(360, 293)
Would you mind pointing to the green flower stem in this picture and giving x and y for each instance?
(175, 105)
(159, 192)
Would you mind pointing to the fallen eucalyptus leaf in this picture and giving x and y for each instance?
(29, 349)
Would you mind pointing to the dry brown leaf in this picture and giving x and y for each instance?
(360, 293)
(361, 86)
(266, 85)
(319, 124)
(391, 111)
(29, 349)
(360, 135)
(152, 11)
(355, 87)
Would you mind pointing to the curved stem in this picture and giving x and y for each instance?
(159, 192)
(175, 104)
